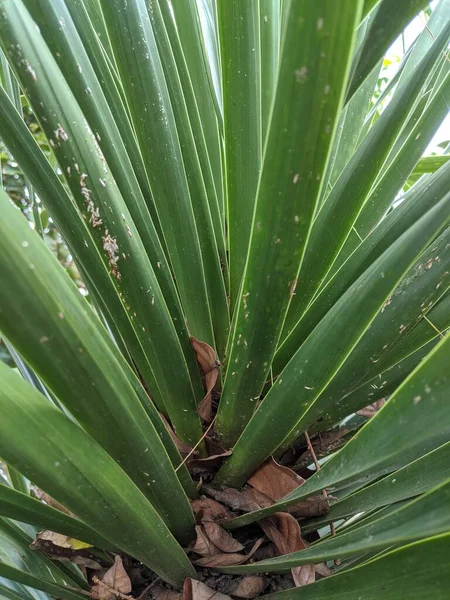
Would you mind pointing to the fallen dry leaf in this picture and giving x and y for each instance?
(211, 508)
(203, 545)
(322, 569)
(246, 501)
(63, 541)
(206, 358)
(161, 593)
(274, 480)
(249, 586)
(314, 506)
(221, 538)
(86, 563)
(210, 464)
(196, 590)
(41, 495)
(303, 575)
(227, 560)
(372, 409)
(115, 582)
(284, 531)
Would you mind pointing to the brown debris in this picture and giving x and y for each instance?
(196, 590)
(284, 531)
(371, 409)
(274, 480)
(209, 365)
(249, 586)
(41, 495)
(228, 559)
(115, 583)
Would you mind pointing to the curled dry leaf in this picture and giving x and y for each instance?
(314, 506)
(246, 501)
(284, 531)
(303, 575)
(221, 538)
(249, 586)
(227, 560)
(41, 495)
(203, 545)
(62, 541)
(114, 583)
(322, 569)
(210, 508)
(161, 593)
(274, 480)
(210, 464)
(372, 409)
(206, 358)
(196, 590)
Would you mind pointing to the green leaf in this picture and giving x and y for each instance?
(294, 161)
(381, 446)
(240, 55)
(420, 289)
(345, 201)
(197, 166)
(148, 93)
(424, 517)
(197, 35)
(32, 581)
(417, 477)
(71, 351)
(21, 507)
(269, 34)
(390, 19)
(70, 55)
(401, 161)
(430, 164)
(77, 472)
(54, 196)
(420, 199)
(100, 202)
(292, 399)
(15, 551)
(415, 572)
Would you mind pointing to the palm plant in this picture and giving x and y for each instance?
(257, 380)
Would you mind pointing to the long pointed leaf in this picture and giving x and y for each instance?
(294, 161)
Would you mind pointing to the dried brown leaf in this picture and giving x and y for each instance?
(247, 500)
(221, 538)
(284, 531)
(371, 409)
(206, 358)
(210, 464)
(203, 544)
(114, 583)
(41, 495)
(314, 506)
(303, 575)
(161, 593)
(211, 508)
(274, 480)
(249, 586)
(89, 563)
(227, 560)
(196, 590)
(322, 569)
